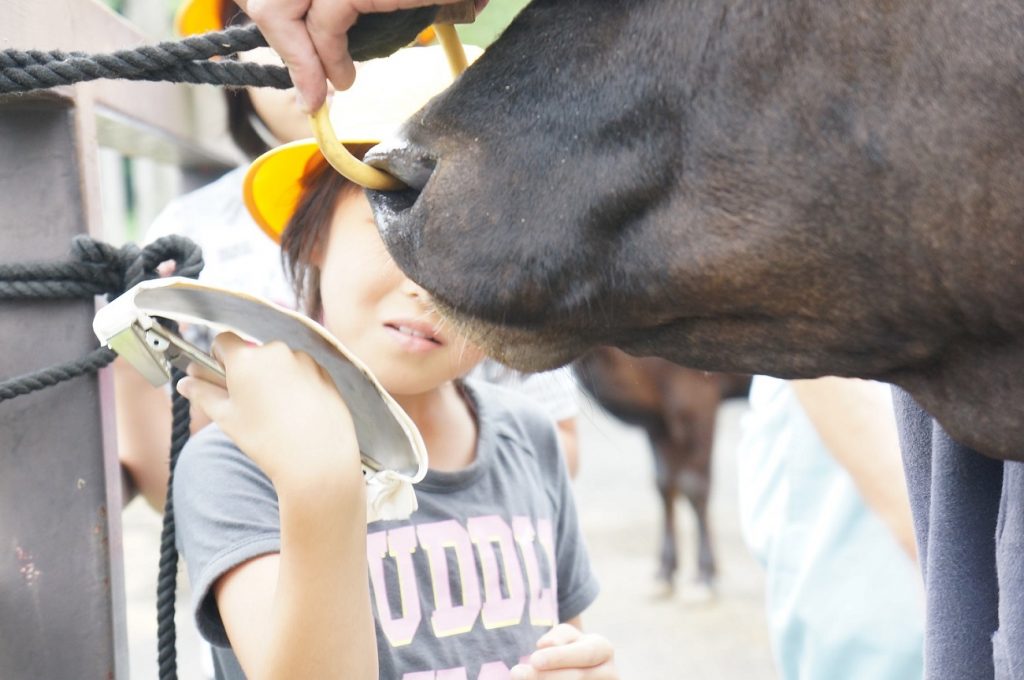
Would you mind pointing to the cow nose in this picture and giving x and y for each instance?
(393, 209)
(409, 163)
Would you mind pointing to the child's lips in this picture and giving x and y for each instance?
(414, 335)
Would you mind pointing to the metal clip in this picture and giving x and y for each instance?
(179, 352)
(152, 349)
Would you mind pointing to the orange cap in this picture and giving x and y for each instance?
(198, 16)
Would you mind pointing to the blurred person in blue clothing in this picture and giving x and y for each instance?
(824, 508)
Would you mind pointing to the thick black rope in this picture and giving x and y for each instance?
(167, 576)
(100, 269)
(48, 377)
(184, 61)
(189, 60)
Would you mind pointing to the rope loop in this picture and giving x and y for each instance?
(95, 268)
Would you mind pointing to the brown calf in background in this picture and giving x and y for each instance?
(677, 407)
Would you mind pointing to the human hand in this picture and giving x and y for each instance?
(567, 653)
(281, 409)
(311, 36)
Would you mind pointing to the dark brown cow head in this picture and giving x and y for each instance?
(795, 188)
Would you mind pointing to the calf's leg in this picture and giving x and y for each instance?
(666, 477)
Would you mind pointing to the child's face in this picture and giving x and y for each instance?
(378, 313)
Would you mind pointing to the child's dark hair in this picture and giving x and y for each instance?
(241, 113)
(305, 236)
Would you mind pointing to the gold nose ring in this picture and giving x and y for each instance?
(342, 160)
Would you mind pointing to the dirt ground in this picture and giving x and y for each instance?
(683, 637)
(656, 638)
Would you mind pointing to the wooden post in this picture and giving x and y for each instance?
(62, 612)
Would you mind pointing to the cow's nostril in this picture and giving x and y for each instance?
(392, 203)
(393, 210)
(407, 162)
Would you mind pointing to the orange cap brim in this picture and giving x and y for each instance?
(273, 184)
(198, 16)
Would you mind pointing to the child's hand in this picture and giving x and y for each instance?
(566, 653)
(280, 408)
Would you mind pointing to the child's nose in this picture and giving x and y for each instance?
(414, 290)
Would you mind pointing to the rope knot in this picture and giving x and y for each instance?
(118, 269)
(95, 268)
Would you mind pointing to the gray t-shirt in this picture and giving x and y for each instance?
(492, 558)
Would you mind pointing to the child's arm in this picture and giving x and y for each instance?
(304, 612)
(567, 648)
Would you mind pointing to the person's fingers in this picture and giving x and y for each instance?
(587, 652)
(231, 352)
(166, 268)
(283, 23)
(312, 39)
(211, 399)
(522, 672)
(226, 347)
(203, 373)
(328, 26)
(562, 634)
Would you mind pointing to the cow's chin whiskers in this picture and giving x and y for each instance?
(521, 349)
